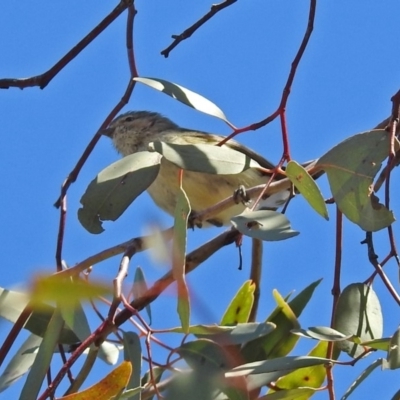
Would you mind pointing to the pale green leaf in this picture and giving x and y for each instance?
(116, 187)
(185, 96)
(264, 225)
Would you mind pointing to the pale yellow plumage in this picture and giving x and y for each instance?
(133, 131)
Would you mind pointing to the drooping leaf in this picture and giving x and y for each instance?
(393, 357)
(21, 362)
(306, 185)
(240, 333)
(239, 308)
(182, 211)
(277, 364)
(210, 159)
(116, 187)
(43, 358)
(358, 313)
(264, 225)
(351, 167)
(133, 354)
(185, 96)
(378, 344)
(362, 377)
(281, 340)
(139, 288)
(321, 333)
(13, 303)
(112, 385)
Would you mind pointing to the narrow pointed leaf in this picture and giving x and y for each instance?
(277, 364)
(139, 288)
(21, 362)
(281, 340)
(241, 333)
(112, 385)
(362, 377)
(182, 211)
(393, 357)
(240, 306)
(43, 358)
(321, 333)
(133, 354)
(306, 185)
(185, 96)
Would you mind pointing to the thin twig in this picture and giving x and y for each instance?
(193, 260)
(43, 80)
(286, 90)
(215, 8)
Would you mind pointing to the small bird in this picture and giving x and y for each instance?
(133, 131)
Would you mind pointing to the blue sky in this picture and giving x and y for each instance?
(240, 60)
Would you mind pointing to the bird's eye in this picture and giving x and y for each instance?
(128, 119)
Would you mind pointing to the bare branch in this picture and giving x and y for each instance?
(215, 8)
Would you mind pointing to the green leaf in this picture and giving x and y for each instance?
(13, 303)
(312, 376)
(321, 333)
(182, 211)
(203, 329)
(289, 394)
(116, 187)
(43, 358)
(264, 225)
(351, 167)
(241, 333)
(21, 362)
(239, 308)
(306, 185)
(378, 344)
(358, 313)
(68, 292)
(185, 96)
(206, 158)
(140, 288)
(280, 341)
(362, 377)
(277, 364)
(393, 357)
(133, 354)
(204, 354)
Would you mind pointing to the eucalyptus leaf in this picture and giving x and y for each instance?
(116, 187)
(264, 225)
(185, 96)
(206, 158)
(277, 364)
(322, 333)
(351, 167)
(393, 357)
(306, 185)
(358, 313)
(241, 333)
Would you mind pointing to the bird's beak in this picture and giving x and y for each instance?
(109, 132)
